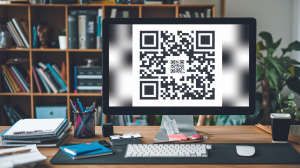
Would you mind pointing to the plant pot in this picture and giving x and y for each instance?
(62, 42)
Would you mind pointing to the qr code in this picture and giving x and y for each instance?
(177, 65)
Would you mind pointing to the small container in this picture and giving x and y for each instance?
(84, 125)
(280, 123)
(5, 39)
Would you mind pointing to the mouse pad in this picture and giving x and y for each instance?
(265, 153)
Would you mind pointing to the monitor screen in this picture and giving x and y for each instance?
(190, 65)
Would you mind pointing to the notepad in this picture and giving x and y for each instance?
(44, 126)
(103, 151)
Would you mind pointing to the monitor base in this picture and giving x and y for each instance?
(185, 125)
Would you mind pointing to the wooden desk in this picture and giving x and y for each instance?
(220, 134)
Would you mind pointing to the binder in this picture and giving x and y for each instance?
(73, 31)
(82, 31)
(91, 32)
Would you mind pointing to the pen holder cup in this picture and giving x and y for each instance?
(84, 125)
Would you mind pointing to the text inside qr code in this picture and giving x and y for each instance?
(176, 65)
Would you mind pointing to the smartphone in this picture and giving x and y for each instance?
(103, 143)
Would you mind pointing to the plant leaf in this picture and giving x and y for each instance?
(257, 49)
(297, 114)
(287, 111)
(231, 119)
(276, 45)
(279, 66)
(292, 46)
(297, 71)
(273, 78)
(278, 98)
(293, 84)
(288, 60)
(291, 96)
(258, 72)
(267, 37)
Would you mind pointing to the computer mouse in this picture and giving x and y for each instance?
(245, 150)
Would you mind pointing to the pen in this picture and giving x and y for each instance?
(73, 106)
(80, 105)
(26, 132)
(13, 152)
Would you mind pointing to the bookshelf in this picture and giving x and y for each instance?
(55, 15)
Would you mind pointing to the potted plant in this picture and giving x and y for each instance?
(62, 39)
(275, 72)
(291, 108)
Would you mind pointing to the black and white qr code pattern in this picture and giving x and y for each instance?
(177, 65)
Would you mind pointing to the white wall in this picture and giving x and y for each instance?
(274, 16)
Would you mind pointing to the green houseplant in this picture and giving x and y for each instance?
(291, 108)
(274, 72)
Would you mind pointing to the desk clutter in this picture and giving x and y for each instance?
(40, 132)
(23, 156)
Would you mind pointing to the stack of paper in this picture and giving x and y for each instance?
(42, 132)
(21, 159)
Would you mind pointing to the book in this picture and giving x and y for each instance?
(73, 31)
(36, 80)
(13, 35)
(80, 149)
(202, 15)
(113, 13)
(56, 69)
(44, 144)
(82, 31)
(63, 72)
(91, 32)
(197, 15)
(99, 30)
(208, 13)
(187, 13)
(6, 28)
(137, 1)
(8, 114)
(84, 12)
(57, 77)
(25, 27)
(6, 81)
(35, 38)
(10, 78)
(102, 152)
(43, 81)
(16, 34)
(153, 2)
(75, 79)
(53, 88)
(16, 79)
(21, 32)
(19, 112)
(24, 73)
(125, 14)
(48, 127)
(21, 79)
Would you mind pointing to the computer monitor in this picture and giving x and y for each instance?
(172, 66)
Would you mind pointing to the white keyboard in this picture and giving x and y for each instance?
(166, 150)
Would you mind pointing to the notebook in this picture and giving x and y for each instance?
(103, 151)
(81, 148)
(45, 128)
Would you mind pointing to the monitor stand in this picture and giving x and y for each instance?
(185, 125)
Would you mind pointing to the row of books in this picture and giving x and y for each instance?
(87, 79)
(51, 77)
(15, 78)
(118, 14)
(13, 113)
(84, 27)
(196, 14)
(57, 132)
(19, 32)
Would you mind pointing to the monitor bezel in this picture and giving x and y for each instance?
(179, 110)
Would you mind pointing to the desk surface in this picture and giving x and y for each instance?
(220, 134)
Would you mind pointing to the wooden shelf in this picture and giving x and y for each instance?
(55, 16)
